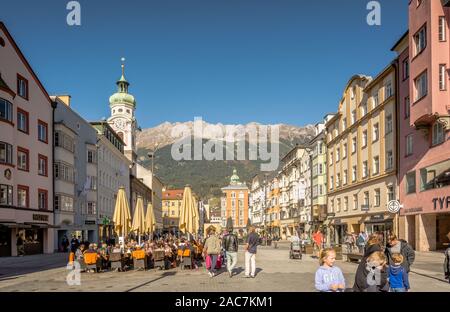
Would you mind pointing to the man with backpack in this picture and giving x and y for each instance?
(361, 241)
(230, 245)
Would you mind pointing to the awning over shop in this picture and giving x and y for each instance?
(378, 218)
(42, 225)
(344, 220)
(14, 225)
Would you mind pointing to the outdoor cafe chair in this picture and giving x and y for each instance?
(158, 257)
(186, 258)
(117, 261)
(139, 259)
(92, 261)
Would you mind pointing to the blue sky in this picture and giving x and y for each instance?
(229, 61)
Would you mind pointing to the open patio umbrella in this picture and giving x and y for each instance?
(122, 215)
(139, 218)
(189, 217)
(150, 221)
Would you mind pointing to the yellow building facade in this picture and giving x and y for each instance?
(361, 153)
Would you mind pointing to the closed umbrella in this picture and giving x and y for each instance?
(150, 219)
(139, 218)
(122, 215)
(189, 216)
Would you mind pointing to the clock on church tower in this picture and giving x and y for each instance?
(122, 120)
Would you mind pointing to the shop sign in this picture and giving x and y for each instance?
(441, 202)
(39, 217)
(89, 222)
(377, 217)
(337, 221)
(365, 207)
(412, 210)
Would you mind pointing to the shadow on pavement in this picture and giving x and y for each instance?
(164, 275)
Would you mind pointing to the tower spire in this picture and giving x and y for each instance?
(123, 66)
(123, 83)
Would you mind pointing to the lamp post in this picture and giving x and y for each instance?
(151, 155)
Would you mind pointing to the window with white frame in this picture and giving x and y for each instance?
(91, 208)
(6, 110)
(409, 145)
(366, 199)
(438, 133)
(377, 197)
(442, 77)
(411, 182)
(338, 208)
(376, 132)
(375, 100)
(331, 182)
(6, 153)
(420, 40)
(389, 91)
(406, 69)
(365, 169)
(6, 194)
(407, 107)
(338, 154)
(421, 86)
(338, 180)
(389, 126)
(353, 116)
(354, 173)
(355, 202)
(331, 158)
(344, 151)
(363, 109)
(354, 145)
(364, 138)
(344, 124)
(391, 192)
(442, 29)
(389, 160)
(345, 177)
(345, 203)
(376, 165)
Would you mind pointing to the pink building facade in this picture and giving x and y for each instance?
(26, 175)
(424, 125)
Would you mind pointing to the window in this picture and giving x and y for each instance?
(6, 194)
(442, 29)
(354, 174)
(6, 112)
(338, 180)
(344, 151)
(388, 124)
(421, 86)
(22, 196)
(320, 169)
(91, 157)
(405, 69)
(389, 160)
(92, 208)
(363, 109)
(345, 177)
(352, 93)
(42, 165)
(332, 205)
(420, 40)
(22, 87)
(438, 133)
(344, 124)
(320, 147)
(388, 90)
(364, 138)
(63, 171)
(64, 141)
(390, 193)
(320, 189)
(355, 202)
(23, 159)
(442, 77)
(22, 121)
(407, 107)
(345, 203)
(42, 131)
(377, 198)
(6, 153)
(411, 182)
(338, 208)
(365, 169)
(331, 158)
(338, 154)
(366, 200)
(376, 132)
(331, 182)
(42, 199)
(375, 100)
(354, 145)
(376, 165)
(409, 145)
(353, 116)
(435, 176)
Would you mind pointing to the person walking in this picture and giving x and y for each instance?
(372, 275)
(318, 240)
(230, 245)
(447, 261)
(20, 246)
(250, 253)
(212, 249)
(361, 241)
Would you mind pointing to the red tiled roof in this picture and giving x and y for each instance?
(173, 194)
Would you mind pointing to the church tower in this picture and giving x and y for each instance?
(122, 120)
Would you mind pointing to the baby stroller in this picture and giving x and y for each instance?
(296, 250)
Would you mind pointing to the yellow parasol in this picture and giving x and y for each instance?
(122, 216)
(189, 217)
(150, 221)
(139, 217)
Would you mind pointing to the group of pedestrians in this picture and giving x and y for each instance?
(380, 270)
(214, 247)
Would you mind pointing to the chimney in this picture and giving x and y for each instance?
(65, 99)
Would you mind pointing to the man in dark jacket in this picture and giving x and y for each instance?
(400, 246)
(231, 245)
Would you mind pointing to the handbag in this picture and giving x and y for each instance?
(208, 262)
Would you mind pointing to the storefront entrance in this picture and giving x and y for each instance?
(5, 241)
(442, 231)
(384, 229)
(33, 241)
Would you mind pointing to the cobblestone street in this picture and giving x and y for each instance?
(275, 273)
